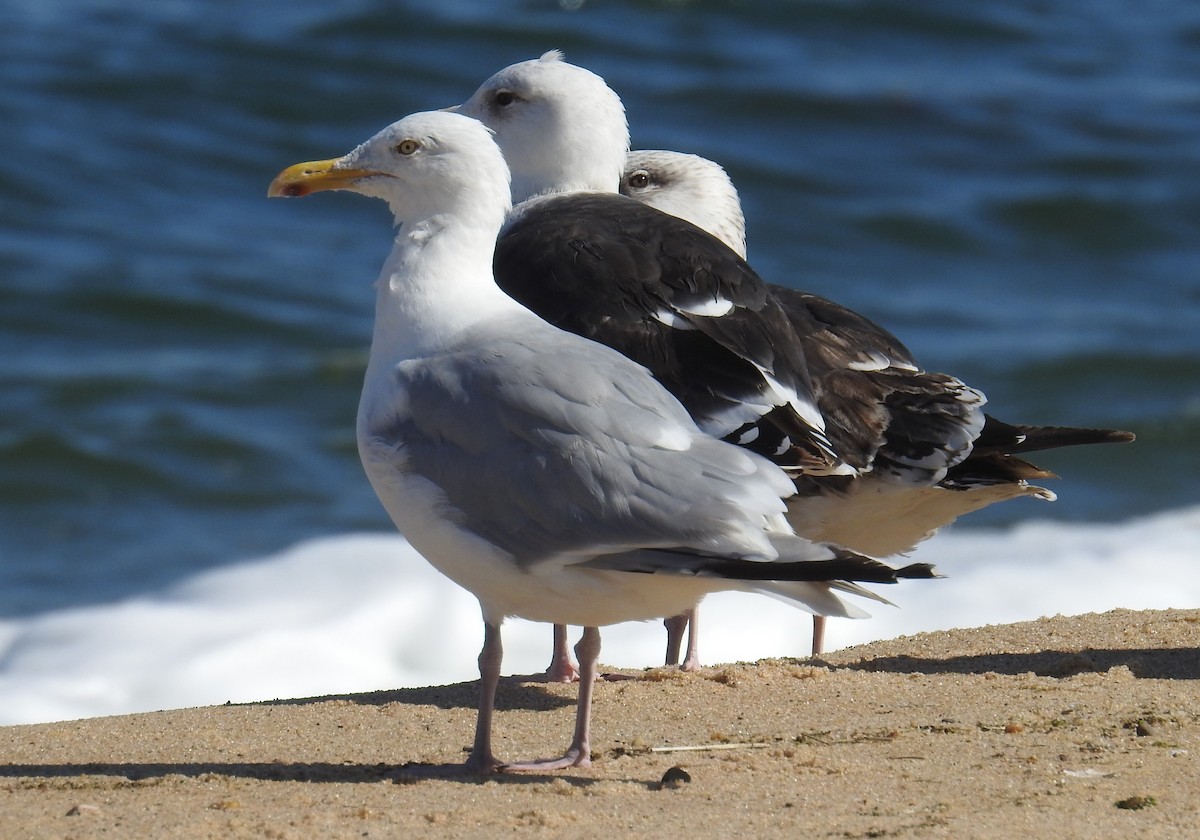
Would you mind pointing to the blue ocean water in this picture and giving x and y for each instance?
(1013, 189)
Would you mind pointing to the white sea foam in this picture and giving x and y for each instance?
(365, 612)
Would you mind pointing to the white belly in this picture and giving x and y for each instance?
(555, 590)
(882, 519)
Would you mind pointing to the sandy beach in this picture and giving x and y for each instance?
(1085, 726)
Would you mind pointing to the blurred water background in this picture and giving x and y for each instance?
(1012, 188)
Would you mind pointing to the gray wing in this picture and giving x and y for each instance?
(550, 446)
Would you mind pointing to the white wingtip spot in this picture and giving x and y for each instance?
(672, 320)
(871, 362)
(714, 308)
(749, 436)
(806, 409)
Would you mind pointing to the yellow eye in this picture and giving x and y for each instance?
(407, 147)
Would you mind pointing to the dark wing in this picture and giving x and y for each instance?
(882, 411)
(854, 331)
(675, 299)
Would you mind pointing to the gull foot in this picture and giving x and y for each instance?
(563, 672)
(573, 758)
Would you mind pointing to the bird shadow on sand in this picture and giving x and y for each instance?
(515, 693)
(529, 692)
(1143, 663)
(109, 774)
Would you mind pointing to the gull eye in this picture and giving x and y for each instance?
(639, 179)
(504, 98)
(407, 147)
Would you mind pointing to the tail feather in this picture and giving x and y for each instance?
(920, 570)
(821, 598)
(846, 566)
(798, 563)
(995, 468)
(807, 580)
(801, 560)
(816, 598)
(860, 591)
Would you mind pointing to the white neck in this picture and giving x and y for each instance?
(435, 286)
(573, 154)
(567, 179)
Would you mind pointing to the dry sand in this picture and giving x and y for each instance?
(1063, 727)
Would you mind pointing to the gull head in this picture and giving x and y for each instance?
(690, 187)
(561, 128)
(424, 165)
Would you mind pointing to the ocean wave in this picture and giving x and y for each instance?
(365, 612)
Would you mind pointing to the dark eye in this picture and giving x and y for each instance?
(504, 98)
(639, 179)
(407, 147)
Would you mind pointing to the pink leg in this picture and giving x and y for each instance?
(818, 635)
(481, 759)
(692, 661)
(561, 669)
(675, 625)
(579, 754)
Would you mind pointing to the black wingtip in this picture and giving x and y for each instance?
(919, 571)
(1009, 439)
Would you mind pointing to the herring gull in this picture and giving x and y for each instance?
(547, 474)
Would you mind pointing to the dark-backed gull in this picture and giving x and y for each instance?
(855, 363)
(690, 309)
